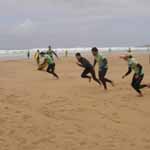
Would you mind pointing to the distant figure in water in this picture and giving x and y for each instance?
(133, 65)
(48, 61)
(37, 57)
(102, 66)
(28, 54)
(88, 68)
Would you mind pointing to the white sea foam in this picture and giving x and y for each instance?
(15, 54)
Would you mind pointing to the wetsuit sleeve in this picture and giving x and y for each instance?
(94, 62)
(80, 65)
(129, 71)
(140, 69)
(81, 62)
(55, 54)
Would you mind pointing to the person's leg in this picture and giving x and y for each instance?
(141, 86)
(94, 76)
(102, 79)
(136, 83)
(38, 61)
(106, 79)
(51, 69)
(84, 74)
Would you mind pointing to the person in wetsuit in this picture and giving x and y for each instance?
(103, 67)
(83, 62)
(51, 64)
(138, 76)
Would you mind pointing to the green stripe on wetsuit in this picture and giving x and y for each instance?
(102, 61)
(49, 59)
(133, 64)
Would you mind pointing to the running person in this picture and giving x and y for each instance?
(51, 64)
(103, 67)
(83, 62)
(138, 75)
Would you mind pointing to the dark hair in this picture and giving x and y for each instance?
(78, 54)
(94, 49)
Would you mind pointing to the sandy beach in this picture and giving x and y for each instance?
(38, 112)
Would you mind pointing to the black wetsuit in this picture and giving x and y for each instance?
(137, 78)
(51, 69)
(88, 69)
(103, 68)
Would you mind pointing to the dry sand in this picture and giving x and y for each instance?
(38, 112)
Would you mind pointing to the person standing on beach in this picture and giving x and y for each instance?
(88, 68)
(103, 67)
(138, 75)
(66, 53)
(28, 54)
(37, 57)
(51, 64)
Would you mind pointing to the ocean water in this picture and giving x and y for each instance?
(22, 54)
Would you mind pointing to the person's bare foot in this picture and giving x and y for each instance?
(112, 83)
(140, 95)
(105, 89)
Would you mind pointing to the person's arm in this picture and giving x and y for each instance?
(79, 64)
(94, 62)
(55, 54)
(129, 71)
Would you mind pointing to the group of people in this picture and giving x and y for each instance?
(101, 60)
(48, 61)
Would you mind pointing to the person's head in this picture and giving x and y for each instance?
(78, 56)
(129, 50)
(49, 47)
(38, 50)
(94, 51)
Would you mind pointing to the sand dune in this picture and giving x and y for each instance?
(38, 112)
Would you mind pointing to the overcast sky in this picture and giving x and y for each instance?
(74, 23)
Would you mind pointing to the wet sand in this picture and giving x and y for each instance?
(38, 112)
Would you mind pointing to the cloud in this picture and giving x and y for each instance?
(81, 22)
(25, 28)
